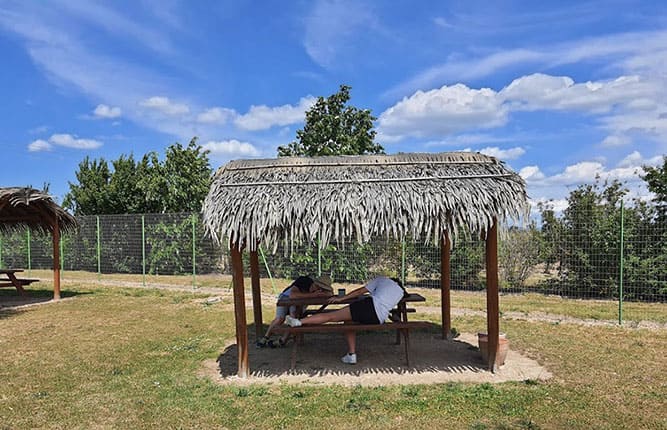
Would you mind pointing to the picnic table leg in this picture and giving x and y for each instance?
(403, 316)
(298, 338)
(17, 284)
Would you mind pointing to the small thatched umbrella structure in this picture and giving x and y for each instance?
(28, 208)
(338, 198)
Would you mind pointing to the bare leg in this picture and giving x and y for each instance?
(325, 317)
(351, 338)
(276, 321)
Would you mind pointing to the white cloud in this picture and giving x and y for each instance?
(165, 106)
(451, 109)
(531, 173)
(117, 24)
(504, 154)
(104, 111)
(40, 145)
(578, 173)
(442, 22)
(70, 141)
(558, 205)
(637, 53)
(554, 188)
(264, 117)
(443, 111)
(615, 140)
(464, 70)
(227, 149)
(216, 115)
(259, 117)
(652, 124)
(64, 140)
(539, 91)
(468, 139)
(635, 159)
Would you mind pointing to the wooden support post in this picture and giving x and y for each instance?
(492, 308)
(256, 294)
(445, 286)
(239, 310)
(56, 260)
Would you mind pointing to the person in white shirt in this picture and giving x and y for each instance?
(383, 295)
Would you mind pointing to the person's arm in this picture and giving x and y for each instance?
(322, 293)
(352, 294)
(296, 293)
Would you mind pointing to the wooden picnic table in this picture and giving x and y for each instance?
(320, 300)
(10, 280)
(324, 302)
(398, 317)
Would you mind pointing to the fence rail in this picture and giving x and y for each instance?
(620, 258)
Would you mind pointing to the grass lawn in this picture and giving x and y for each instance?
(117, 357)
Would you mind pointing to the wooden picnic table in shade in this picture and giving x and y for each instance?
(10, 280)
(401, 308)
(398, 317)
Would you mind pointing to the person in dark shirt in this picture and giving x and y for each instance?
(303, 286)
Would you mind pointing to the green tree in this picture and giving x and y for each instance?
(591, 240)
(187, 176)
(91, 194)
(519, 253)
(551, 232)
(334, 128)
(178, 184)
(656, 180)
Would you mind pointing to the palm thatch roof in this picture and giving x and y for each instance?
(29, 208)
(420, 195)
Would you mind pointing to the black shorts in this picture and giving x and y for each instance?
(363, 311)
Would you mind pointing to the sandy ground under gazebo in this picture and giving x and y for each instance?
(381, 362)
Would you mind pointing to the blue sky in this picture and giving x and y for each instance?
(561, 90)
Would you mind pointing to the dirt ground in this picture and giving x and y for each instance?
(380, 362)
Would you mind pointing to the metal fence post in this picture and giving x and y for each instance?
(620, 277)
(266, 265)
(1, 252)
(99, 260)
(403, 261)
(194, 243)
(29, 262)
(143, 250)
(319, 255)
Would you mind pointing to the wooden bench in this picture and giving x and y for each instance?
(401, 327)
(17, 283)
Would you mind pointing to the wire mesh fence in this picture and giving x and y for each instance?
(617, 256)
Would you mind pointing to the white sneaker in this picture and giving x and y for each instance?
(349, 358)
(292, 322)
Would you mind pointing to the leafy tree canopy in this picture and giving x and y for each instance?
(656, 180)
(334, 128)
(177, 184)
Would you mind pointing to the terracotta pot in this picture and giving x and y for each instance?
(501, 353)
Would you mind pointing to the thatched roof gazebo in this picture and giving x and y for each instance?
(22, 208)
(341, 198)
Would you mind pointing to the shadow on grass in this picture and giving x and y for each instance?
(11, 302)
(378, 354)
